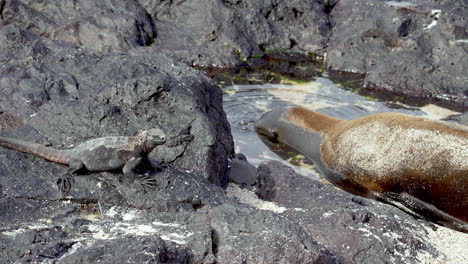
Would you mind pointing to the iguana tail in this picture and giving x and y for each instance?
(55, 155)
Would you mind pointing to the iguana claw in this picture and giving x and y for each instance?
(65, 182)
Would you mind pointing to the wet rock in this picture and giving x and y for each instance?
(240, 156)
(100, 25)
(242, 172)
(412, 48)
(225, 33)
(66, 95)
(359, 229)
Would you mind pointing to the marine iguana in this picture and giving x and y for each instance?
(95, 155)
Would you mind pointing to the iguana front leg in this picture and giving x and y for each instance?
(65, 181)
(131, 166)
(130, 170)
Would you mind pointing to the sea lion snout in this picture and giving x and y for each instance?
(267, 125)
(266, 131)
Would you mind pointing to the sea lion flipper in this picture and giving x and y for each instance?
(394, 199)
(425, 210)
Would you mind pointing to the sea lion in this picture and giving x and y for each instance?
(421, 163)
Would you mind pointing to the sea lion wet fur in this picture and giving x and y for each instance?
(420, 162)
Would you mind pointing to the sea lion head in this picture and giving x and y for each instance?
(272, 125)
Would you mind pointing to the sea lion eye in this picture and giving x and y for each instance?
(274, 133)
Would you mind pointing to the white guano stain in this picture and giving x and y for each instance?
(435, 14)
(400, 4)
(165, 224)
(122, 229)
(327, 214)
(249, 197)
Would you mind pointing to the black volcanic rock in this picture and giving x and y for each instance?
(101, 25)
(356, 228)
(68, 95)
(61, 95)
(248, 235)
(169, 229)
(223, 33)
(130, 249)
(242, 172)
(413, 48)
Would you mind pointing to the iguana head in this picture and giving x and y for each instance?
(152, 138)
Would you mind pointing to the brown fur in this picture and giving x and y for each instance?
(313, 121)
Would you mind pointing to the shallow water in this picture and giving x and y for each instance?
(244, 104)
